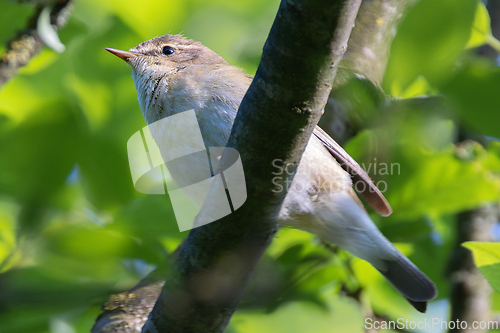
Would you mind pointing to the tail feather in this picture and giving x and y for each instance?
(414, 285)
(343, 221)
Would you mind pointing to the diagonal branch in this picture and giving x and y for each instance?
(275, 121)
(371, 39)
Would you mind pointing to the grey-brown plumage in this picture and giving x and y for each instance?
(173, 74)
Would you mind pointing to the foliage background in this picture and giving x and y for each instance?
(73, 230)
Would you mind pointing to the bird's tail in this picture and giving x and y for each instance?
(411, 282)
(343, 221)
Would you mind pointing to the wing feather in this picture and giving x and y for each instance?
(370, 192)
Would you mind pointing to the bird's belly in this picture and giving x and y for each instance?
(318, 177)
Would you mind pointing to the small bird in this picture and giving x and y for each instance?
(173, 74)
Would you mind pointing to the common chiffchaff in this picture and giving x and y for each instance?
(173, 74)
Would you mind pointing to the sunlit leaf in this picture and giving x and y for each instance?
(8, 240)
(40, 62)
(343, 314)
(481, 27)
(487, 259)
(149, 19)
(429, 49)
(419, 87)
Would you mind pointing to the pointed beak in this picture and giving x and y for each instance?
(125, 55)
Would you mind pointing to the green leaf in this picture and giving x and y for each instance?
(485, 253)
(413, 161)
(94, 98)
(481, 27)
(149, 19)
(473, 93)
(429, 49)
(487, 259)
(419, 87)
(13, 16)
(39, 153)
(105, 171)
(8, 240)
(444, 184)
(343, 314)
(426, 175)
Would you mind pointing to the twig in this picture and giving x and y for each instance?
(27, 43)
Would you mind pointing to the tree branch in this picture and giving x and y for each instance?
(470, 291)
(366, 57)
(371, 39)
(275, 121)
(27, 43)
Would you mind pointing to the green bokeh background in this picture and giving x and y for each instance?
(73, 230)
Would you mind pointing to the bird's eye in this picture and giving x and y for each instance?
(168, 50)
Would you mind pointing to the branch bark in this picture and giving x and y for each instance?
(366, 57)
(275, 121)
(371, 39)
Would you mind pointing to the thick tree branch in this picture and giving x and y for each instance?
(275, 121)
(27, 43)
(128, 311)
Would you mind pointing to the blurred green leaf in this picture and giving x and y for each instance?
(105, 172)
(39, 153)
(429, 49)
(360, 98)
(487, 259)
(149, 19)
(419, 87)
(8, 242)
(444, 184)
(9, 10)
(342, 314)
(412, 159)
(481, 27)
(473, 92)
(94, 98)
